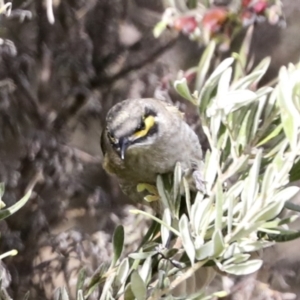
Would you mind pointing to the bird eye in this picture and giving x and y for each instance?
(141, 126)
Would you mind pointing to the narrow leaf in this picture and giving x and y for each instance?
(138, 286)
(269, 212)
(118, 243)
(204, 64)
(185, 234)
(183, 90)
(289, 114)
(206, 251)
(122, 272)
(4, 213)
(245, 268)
(218, 243)
(165, 232)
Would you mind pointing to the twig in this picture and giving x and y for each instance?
(179, 280)
(96, 82)
(82, 155)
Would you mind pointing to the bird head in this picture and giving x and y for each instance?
(133, 123)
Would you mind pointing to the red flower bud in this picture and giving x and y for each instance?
(260, 6)
(186, 25)
(214, 19)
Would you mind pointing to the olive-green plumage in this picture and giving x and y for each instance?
(146, 137)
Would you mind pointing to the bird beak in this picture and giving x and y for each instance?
(123, 145)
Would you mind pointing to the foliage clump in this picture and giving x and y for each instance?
(253, 137)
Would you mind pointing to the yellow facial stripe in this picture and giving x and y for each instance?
(149, 122)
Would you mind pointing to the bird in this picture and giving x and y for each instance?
(145, 137)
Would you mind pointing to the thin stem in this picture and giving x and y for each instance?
(137, 211)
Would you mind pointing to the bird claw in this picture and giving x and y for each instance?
(154, 196)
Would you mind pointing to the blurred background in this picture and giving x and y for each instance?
(57, 82)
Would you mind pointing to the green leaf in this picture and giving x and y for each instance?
(295, 171)
(283, 236)
(289, 114)
(176, 181)
(251, 246)
(211, 167)
(254, 77)
(159, 28)
(206, 92)
(192, 4)
(206, 251)
(80, 295)
(2, 189)
(185, 234)
(251, 187)
(231, 251)
(80, 280)
(215, 123)
(234, 100)
(128, 294)
(152, 231)
(269, 212)
(218, 243)
(241, 57)
(236, 189)
(118, 244)
(4, 213)
(236, 259)
(162, 192)
(287, 194)
(219, 207)
(61, 294)
(245, 130)
(146, 269)
(204, 64)
(200, 209)
(136, 211)
(142, 255)
(292, 206)
(138, 286)
(187, 195)
(245, 229)
(165, 232)
(183, 90)
(224, 82)
(246, 81)
(96, 278)
(26, 297)
(122, 272)
(271, 108)
(230, 215)
(258, 116)
(107, 287)
(236, 167)
(272, 135)
(263, 66)
(267, 182)
(245, 268)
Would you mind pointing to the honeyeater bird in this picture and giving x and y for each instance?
(147, 137)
